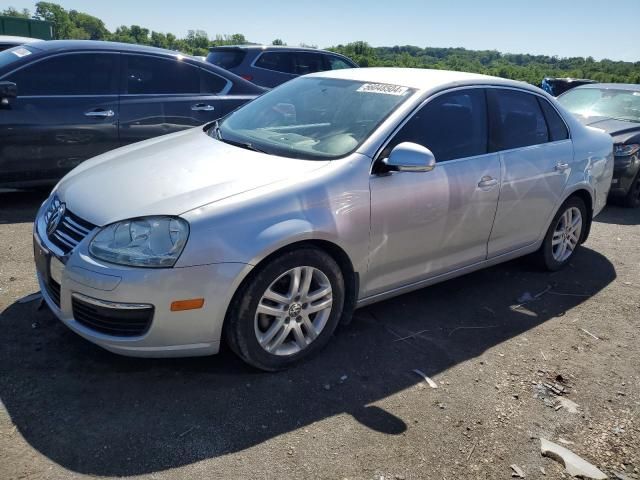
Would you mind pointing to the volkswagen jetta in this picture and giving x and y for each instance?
(330, 192)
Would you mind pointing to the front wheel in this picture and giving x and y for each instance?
(287, 310)
(564, 235)
(632, 200)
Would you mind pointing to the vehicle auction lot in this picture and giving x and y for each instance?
(356, 410)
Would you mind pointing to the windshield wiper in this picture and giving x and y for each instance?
(246, 145)
(216, 130)
(626, 119)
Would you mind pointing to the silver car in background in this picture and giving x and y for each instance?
(332, 191)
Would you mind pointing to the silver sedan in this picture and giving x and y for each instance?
(333, 191)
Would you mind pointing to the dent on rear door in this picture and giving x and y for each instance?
(531, 190)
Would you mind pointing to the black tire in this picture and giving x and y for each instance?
(544, 256)
(239, 325)
(632, 199)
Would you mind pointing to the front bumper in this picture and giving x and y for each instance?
(625, 170)
(169, 334)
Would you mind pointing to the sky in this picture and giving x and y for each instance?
(562, 27)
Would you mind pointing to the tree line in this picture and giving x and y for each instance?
(525, 67)
(72, 24)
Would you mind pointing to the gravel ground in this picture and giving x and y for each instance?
(69, 409)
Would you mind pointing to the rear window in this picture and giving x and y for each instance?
(12, 55)
(226, 58)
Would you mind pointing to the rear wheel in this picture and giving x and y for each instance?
(632, 200)
(287, 310)
(564, 235)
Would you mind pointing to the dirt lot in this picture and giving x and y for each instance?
(69, 409)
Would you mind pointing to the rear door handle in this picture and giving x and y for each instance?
(99, 113)
(487, 182)
(561, 167)
(202, 107)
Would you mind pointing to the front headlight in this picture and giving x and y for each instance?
(141, 242)
(623, 150)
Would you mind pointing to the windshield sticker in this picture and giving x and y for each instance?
(383, 88)
(21, 52)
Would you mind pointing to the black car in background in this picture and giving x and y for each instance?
(614, 108)
(270, 66)
(557, 86)
(62, 102)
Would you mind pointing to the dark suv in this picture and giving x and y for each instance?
(557, 86)
(64, 101)
(271, 66)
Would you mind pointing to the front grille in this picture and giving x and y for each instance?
(53, 289)
(70, 231)
(131, 321)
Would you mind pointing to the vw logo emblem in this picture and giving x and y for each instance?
(55, 217)
(295, 310)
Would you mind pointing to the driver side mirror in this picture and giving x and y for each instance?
(410, 157)
(7, 90)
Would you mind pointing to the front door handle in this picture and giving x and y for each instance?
(561, 167)
(99, 113)
(202, 107)
(487, 182)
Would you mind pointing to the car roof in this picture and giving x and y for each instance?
(568, 79)
(57, 45)
(632, 87)
(270, 47)
(47, 46)
(420, 78)
(14, 39)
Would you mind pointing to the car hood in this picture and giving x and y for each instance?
(613, 127)
(170, 175)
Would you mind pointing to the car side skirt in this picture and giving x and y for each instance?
(449, 275)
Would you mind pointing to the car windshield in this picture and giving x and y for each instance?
(14, 54)
(312, 118)
(595, 102)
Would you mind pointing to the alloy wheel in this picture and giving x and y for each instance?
(566, 235)
(293, 311)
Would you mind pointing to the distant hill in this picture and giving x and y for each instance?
(530, 68)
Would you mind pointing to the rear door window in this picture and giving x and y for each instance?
(276, 61)
(71, 74)
(308, 63)
(452, 126)
(557, 128)
(516, 120)
(146, 75)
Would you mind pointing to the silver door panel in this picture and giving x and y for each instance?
(424, 224)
